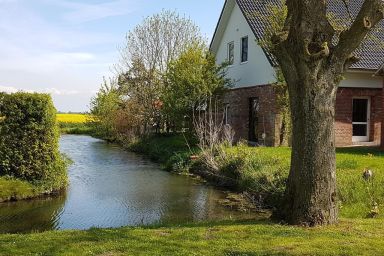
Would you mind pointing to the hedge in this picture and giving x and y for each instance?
(29, 139)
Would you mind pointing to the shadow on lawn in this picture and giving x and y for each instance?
(376, 151)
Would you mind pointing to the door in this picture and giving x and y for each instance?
(361, 119)
(253, 119)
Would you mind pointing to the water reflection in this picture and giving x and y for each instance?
(112, 188)
(33, 215)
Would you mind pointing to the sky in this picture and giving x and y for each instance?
(66, 47)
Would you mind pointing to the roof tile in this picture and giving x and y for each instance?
(371, 53)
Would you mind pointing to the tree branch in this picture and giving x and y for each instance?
(370, 14)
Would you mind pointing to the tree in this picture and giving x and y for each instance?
(103, 106)
(145, 57)
(191, 79)
(313, 64)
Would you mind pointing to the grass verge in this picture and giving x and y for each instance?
(263, 171)
(13, 189)
(350, 237)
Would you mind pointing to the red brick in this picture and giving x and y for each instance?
(238, 100)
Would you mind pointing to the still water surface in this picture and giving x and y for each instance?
(110, 187)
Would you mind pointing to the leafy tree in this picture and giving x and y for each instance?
(145, 58)
(192, 78)
(103, 107)
(313, 56)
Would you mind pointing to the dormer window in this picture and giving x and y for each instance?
(244, 49)
(231, 52)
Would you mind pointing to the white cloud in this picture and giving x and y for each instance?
(80, 12)
(46, 46)
(55, 91)
(8, 89)
(88, 12)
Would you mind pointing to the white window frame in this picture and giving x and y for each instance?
(241, 49)
(368, 123)
(232, 43)
(226, 114)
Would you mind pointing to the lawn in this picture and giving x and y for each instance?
(257, 170)
(14, 189)
(350, 237)
(263, 171)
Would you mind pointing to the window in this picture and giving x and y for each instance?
(231, 53)
(226, 114)
(244, 49)
(254, 109)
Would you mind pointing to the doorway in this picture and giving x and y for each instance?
(361, 119)
(254, 107)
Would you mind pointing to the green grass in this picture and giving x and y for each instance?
(171, 151)
(350, 237)
(263, 171)
(76, 128)
(13, 189)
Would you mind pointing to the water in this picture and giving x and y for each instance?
(110, 187)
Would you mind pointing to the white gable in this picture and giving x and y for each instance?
(258, 70)
(233, 26)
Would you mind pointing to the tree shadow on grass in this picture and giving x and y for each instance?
(375, 151)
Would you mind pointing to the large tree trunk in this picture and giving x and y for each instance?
(313, 67)
(311, 189)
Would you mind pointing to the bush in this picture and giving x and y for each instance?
(29, 148)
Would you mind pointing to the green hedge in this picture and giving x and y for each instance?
(29, 137)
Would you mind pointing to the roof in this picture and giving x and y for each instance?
(371, 53)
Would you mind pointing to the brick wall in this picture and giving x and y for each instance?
(382, 117)
(269, 119)
(344, 108)
(238, 114)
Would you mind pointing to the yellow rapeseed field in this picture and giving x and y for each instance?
(73, 118)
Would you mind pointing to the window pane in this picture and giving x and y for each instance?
(231, 52)
(244, 49)
(359, 130)
(360, 110)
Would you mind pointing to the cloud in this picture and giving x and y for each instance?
(55, 91)
(54, 48)
(84, 12)
(8, 89)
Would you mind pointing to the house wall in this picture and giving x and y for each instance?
(257, 70)
(238, 113)
(361, 79)
(344, 108)
(382, 116)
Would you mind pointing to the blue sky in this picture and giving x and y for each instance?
(65, 47)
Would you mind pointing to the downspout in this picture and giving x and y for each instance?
(380, 72)
(382, 115)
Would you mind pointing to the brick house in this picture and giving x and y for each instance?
(251, 104)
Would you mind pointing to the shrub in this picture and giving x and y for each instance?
(29, 147)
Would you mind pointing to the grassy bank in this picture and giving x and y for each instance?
(13, 189)
(263, 171)
(350, 237)
(74, 124)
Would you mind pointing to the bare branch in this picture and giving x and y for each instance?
(371, 13)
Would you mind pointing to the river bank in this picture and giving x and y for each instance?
(262, 172)
(111, 187)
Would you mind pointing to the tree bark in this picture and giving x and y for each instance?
(310, 197)
(313, 67)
